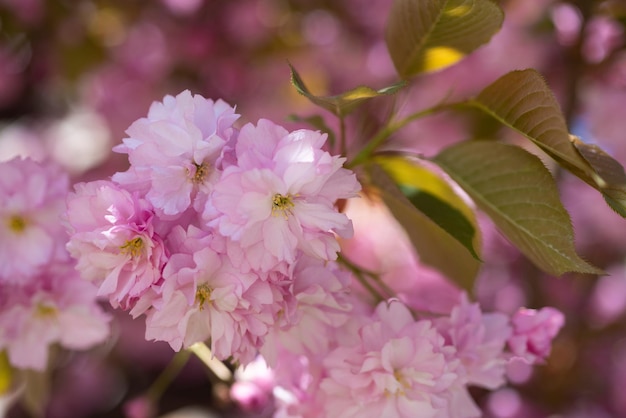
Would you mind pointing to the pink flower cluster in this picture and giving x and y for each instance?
(388, 364)
(216, 233)
(43, 301)
(229, 236)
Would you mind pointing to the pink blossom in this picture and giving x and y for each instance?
(253, 387)
(398, 369)
(297, 391)
(319, 296)
(175, 152)
(205, 297)
(533, 332)
(112, 237)
(479, 340)
(140, 407)
(280, 196)
(32, 198)
(58, 307)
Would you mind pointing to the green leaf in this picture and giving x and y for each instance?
(343, 103)
(435, 198)
(518, 192)
(428, 35)
(434, 246)
(609, 177)
(523, 101)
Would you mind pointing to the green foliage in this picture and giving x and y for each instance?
(519, 194)
(434, 246)
(430, 35)
(435, 198)
(510, 185)
(608, 175)
(344, 103)
(523, 101)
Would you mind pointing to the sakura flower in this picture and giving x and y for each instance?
(319, 294)
(174, 152)
(533, 332)
(479, 340)
(253, 386)
(32, 197)
(205, 297)
(112, 237)
(297, 391)
(280, 196)
(399, 368)
(58, 307)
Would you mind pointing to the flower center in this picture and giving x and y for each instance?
(399, 387)
(17, 224)
(203, 294)
(282, 205)
(202, 171)
(132, 247)
(44, 311)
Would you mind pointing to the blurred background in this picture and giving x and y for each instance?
(75, 73)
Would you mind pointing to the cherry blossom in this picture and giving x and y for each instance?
(280, 197)
(113, 240)
(398, 369)
(32, 196)
(175, 151)
(533, 332)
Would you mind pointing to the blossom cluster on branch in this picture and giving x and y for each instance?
(229, 236)
(215, 233)
(372, 261)
(43, 300)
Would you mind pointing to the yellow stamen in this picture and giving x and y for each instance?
(45, 310)
(202, 170)
(203, 294)
(17, 224)
(282, 204)
(132, 247)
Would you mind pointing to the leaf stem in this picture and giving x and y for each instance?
(343, 150)
(360, 274)
(389, 130)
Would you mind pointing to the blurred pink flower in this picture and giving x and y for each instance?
(58, 308)
(381, 245)
(479, 339)
(140, 407)
(253, 387)
(32, 197)
(604, 35)
(533, 332)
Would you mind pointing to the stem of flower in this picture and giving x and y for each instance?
(360, 274)
(218, 368)
(389, 130)
(168, 375)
